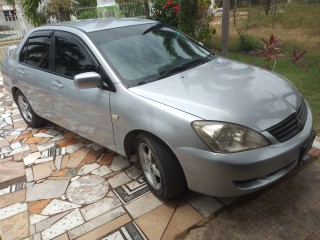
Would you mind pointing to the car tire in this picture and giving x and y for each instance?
(160, 167)
(26, 111)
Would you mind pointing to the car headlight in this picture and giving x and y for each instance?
(228, 138)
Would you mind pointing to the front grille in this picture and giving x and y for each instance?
(291, 126)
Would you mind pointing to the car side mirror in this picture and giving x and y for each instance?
(87, 80)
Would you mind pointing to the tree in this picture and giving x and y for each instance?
(225, 28)
(195, 19)
(188, 16)
(169, 39)
(30, 8)
(146, 7)
(204, 28)
(61, 8)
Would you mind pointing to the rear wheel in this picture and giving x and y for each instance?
(160, 167)
(30, 117)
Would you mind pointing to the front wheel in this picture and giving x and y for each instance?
(160, 167)
(30, 117)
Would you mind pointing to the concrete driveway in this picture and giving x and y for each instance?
(55, 184)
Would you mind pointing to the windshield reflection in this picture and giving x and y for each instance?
(142, 53)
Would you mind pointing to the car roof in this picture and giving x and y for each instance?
(90, 25)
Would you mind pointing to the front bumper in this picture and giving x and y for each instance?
(234, 174)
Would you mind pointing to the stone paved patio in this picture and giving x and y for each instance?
(55, 184)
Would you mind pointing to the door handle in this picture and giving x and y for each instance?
(57, 84)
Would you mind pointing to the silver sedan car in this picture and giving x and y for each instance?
(144, 89)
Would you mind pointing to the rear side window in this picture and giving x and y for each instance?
(71, 58)
(36, 52)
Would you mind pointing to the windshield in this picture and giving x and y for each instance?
(144, 53)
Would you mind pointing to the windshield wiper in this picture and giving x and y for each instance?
(178, 68)
(173, 70)
(207, 58)
(185, 66)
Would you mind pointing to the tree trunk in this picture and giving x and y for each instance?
(146, 7)
(249, 13)
(274, 13)
(225, 28)
(235, 13)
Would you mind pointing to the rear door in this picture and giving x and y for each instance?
(33, 73)
(84, 111)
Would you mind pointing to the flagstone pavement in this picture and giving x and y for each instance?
(55, 184)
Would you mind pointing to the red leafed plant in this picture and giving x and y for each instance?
(272, 51)
(296, 58)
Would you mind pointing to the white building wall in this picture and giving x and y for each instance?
(20, 26)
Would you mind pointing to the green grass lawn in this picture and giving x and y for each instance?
(296, 24)
(288, 16)
(308, 82)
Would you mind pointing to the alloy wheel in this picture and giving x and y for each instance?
(25, 108)
(149, 166)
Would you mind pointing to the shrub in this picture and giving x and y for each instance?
(188, 16)
(87, 14)
(5, 28)
(204, 28)
(247, 42)
(297, 57)
(166, 11)
(195, 19)
(133, 8)
(272, 50)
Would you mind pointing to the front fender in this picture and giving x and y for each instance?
(134, 112)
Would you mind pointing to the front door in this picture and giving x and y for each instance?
(84, 111)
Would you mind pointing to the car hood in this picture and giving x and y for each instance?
(226, 90)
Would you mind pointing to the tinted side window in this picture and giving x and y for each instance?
(23, 53)
(71, 58)
(36, 52)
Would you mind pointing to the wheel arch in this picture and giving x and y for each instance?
(36, 120)
(173, 180)
(14, 91)
(129, 143)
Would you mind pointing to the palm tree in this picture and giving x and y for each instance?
(30, 10)
(169, 38)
